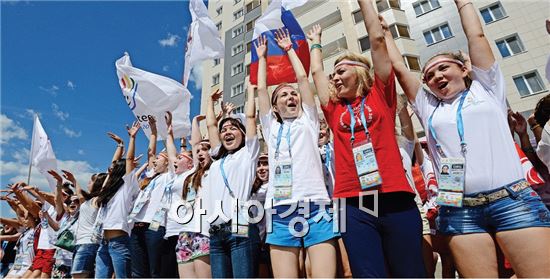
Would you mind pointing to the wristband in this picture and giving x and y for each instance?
(314, 46)
(287, 48)
(534, 127)
(469, 3)
(120, 145)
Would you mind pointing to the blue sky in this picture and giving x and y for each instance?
(57, 60)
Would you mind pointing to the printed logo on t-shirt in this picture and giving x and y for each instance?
(472, 101)
(345, 120)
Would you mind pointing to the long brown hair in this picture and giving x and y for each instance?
(195, 179)
(364, 77)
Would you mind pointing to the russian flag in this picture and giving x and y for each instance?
(279, 69)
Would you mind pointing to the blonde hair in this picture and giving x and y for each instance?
(364, 77)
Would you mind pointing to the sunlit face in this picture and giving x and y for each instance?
(262, 171)
(183, 163)
(445, 79)
(231, 136)
(202, 155)
(288, 103)
(160, 164)
(324, 136)
(74, 205)
(344, 79)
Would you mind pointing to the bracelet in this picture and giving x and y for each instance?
(314, 46)
(120, 145)
(534, 127)
(287, 48)
(463, 6)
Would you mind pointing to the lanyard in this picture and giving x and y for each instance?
(459, 126)
(328, 155)
(225, 178)
(352, 119)
(279, 136)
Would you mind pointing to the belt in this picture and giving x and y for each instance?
(217, 228)
(141, 224)
(482, 199)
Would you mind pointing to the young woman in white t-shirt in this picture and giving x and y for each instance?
(24, 247)
(233, 253)
(290, 123)
(498, 204)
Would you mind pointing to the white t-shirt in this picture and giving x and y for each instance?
(48, 235)
(25, 251)
(158, 185)
(240, 168)
(260, 196)
(491, 158)
(308, 182)
(115, 214)
(543, 149)
(85, 224)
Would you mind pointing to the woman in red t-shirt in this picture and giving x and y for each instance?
(392, 232)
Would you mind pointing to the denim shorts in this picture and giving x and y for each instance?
(519, 210)
(84, 259)
(296, 230)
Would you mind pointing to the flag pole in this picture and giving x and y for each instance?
(30, 153)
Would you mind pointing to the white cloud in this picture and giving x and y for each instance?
(58, 113)
(69, 132)
(165, 68)
(52, 89)
(10, 130)
(80, 152)
(30, 113)
(170, 41)
(196, 76)
(71, 85)
(21, 155)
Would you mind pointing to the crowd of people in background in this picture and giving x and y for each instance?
(467, 193)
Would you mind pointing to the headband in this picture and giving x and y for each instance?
(439, 61)
(163, 154)
(352, 63)
(186, 156)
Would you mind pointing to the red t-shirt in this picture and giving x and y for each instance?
(380, 108)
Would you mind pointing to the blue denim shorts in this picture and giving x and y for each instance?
(519, 210)
(287, 231)
(84, 259)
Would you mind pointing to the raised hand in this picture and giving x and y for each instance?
(227, 108)
(69, 176)
(261, 46)
(521, 123)
(115, 137)
(314, 35)
(282, 37)
(56, 176)
(152, 124)
(216, 95)
(168, 119)
(132, 131)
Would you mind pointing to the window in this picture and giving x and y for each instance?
(529, 83)
(237, 69)
(422, 7)
(237, 89)
(236, 1)
(238, 14)
(357, 16)
(252, 5)
(239, 109)
(412, 62)
(383, 5)
(492, 13)
(510, 46)
(248, 69)
(219, 25)
(438, 34)
(219, 10)
(237, 49)
(250, 25)
(364, 43)
(215, 79)
(217, 61)
(398, 30)
(238, 31)
(248, 46)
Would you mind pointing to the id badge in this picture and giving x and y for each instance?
(191, 194)
(239, 222)
(159, 217)
(283, 180)
(445, 198)
(136, 209)
(366, 165)
(451, 174)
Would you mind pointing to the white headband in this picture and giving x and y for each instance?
(352, 63)
(439, 61)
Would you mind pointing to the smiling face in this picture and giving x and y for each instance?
(262, 171)
(444, 77)
(287, 102)
(344, 80)
(231, 135)
(74, 205)
(160, 164)
(202, 154)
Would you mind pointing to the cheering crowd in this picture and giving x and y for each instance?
(346, 195)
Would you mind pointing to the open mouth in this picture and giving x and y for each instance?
(442, 85)
(338, 85)
(229, 139)
(175, 166)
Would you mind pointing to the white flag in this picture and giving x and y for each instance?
(42, 156)
(203, 39)
(292, 4)
(151, 94)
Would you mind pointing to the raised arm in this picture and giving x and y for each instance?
(119, 148)
(320, 79)
(263, 98)
(211, 121)
(250, 112)
(282, 37)
(379, 53)
(170, 146)
(408, 81)
(58, 193)
(478, 46)
(10, 222)
(183, 144)
(407, 128)
(132, 132)
(152, 149)
(27, 203)
(196, 136)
